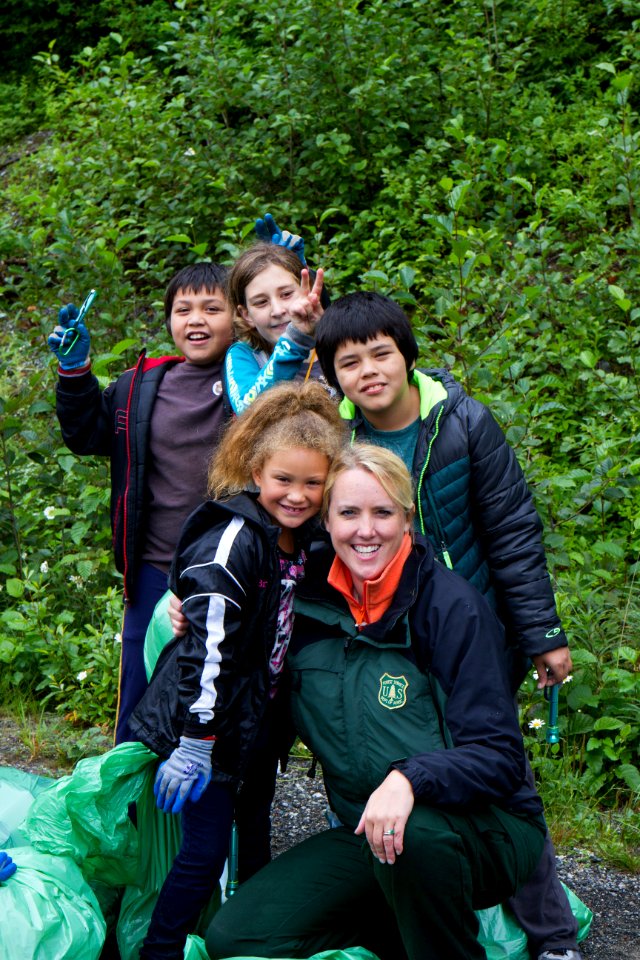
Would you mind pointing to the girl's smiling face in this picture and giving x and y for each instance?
(291, 485)
(267, 300)
(366, 526)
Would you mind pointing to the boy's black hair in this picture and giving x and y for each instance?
(194, 278)
(361, 317)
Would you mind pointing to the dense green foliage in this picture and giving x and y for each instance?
(30, 26)
(478, 161)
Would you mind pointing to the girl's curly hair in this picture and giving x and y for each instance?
(284, 416)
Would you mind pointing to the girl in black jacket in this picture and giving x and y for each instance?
(212, 703)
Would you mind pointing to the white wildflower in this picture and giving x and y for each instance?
(190, 152)
(568, 678)
(536, 724)
(44, 567)
(535, 675)
(117, 637)
(82, 675)
(49, 512)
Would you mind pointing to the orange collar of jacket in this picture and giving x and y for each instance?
(376, 594)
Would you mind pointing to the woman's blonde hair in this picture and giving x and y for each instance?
(385, 466)
(285, 416)
(245, 269)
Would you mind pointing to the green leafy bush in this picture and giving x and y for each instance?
(478, 162)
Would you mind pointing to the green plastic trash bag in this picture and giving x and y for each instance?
(581, 912)
(159, 837)
(502, 937)
(136, 908)
(48, 910)
(85, 815)
(195, 949)
(17, 792)
(158, 635)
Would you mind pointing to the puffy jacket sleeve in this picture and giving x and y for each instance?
(85, 414)
(485, 761)
(511, 533)
(245, 379)
(213, 579)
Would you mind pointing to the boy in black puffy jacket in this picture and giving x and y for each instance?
(473, 503)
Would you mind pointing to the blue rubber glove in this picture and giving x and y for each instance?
(7, 866)
(269, 232)
(185, 774)
(70, 341)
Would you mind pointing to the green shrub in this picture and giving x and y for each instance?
(478, 162)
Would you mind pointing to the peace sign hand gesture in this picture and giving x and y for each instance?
(306, 309)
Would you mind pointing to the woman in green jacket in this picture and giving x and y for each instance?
(399, 687)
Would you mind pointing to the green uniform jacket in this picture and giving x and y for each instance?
(423, 690)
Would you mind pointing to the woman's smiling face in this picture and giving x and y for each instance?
(366, 526)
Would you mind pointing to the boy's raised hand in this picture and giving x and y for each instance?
(269, 232)
(306, 309)
(70, 341)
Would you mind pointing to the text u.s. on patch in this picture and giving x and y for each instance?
(393, 691)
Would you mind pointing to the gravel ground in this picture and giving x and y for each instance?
(298, 812)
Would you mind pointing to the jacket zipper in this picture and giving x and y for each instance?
(132, 397)
(433, 508)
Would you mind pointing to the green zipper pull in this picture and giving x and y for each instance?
(446, 557)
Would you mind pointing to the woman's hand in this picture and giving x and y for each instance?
(179, 622)
(385, 817)
(306, 309)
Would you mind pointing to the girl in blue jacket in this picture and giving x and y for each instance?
(267, 286)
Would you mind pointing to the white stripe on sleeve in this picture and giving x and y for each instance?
(215, 626)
